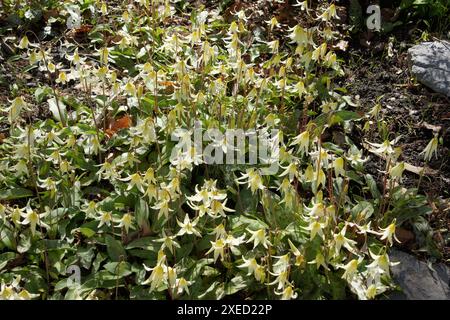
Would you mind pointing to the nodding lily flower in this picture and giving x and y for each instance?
(90, 208)
(328, 14)
(299, 35)
(397, 170)
(33, 219)
(273, 23)
(341, 241)
(281, 279)
(282, 264)
(389, 233)
(104, 9)
(303, 5)
(259, 237)
(24, 43)
(218, 248)
(381, 263)
(233, 242)
(171, 276)
(62, 78)
(254, 180)
(105, 218)
(168, 242)
(157, 277)
(135, 180)
(126, 222)
(291, 170)
(385, 148)
(75, 58)
(315, 228)
(11, 292)
(319, 261)
(317, 211)
(303, 141)
(274, 46)
(351, 268)
(374, 289)
(183, 285)
(430, 149)
(338, 165)
(299, 258)
(108, 171)
(288, 293)
(218, 209)
(250, 264)
(17, 105)
(164, 208)
(219, 231)
(188, 226)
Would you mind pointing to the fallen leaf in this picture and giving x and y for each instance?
(169, 86)
(117, 125)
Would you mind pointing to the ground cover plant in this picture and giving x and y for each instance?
(99, 201)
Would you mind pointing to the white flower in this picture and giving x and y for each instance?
(218, 248)
(17, 105)
(32, 218)
(126, 222)
(105, 218)
(430, 149)
(183, 285)
(24, 43)
(156, 278)
(168, 242)
(397, 170)
(188, 226)
(254, 180)
(389, 233)
(350, 269)
(288, 293)
(259, 237)
(303, 141)
(381, 263)
(250, 264)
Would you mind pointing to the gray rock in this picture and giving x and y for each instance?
(417, 280)
(430, 64)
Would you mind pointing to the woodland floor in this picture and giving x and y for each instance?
(410, 110)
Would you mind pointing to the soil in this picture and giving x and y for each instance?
(410, 110)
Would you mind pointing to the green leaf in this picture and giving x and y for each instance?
(24, 243)
(236, 284)
(87, 232)
(41, 93)
(86, 255)
(58, 109)
(15, 193)
(5, 258)
(147, 243)
(119, 269)
(115, 249)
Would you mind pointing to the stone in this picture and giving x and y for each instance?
(417, 280)
(430, 64)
